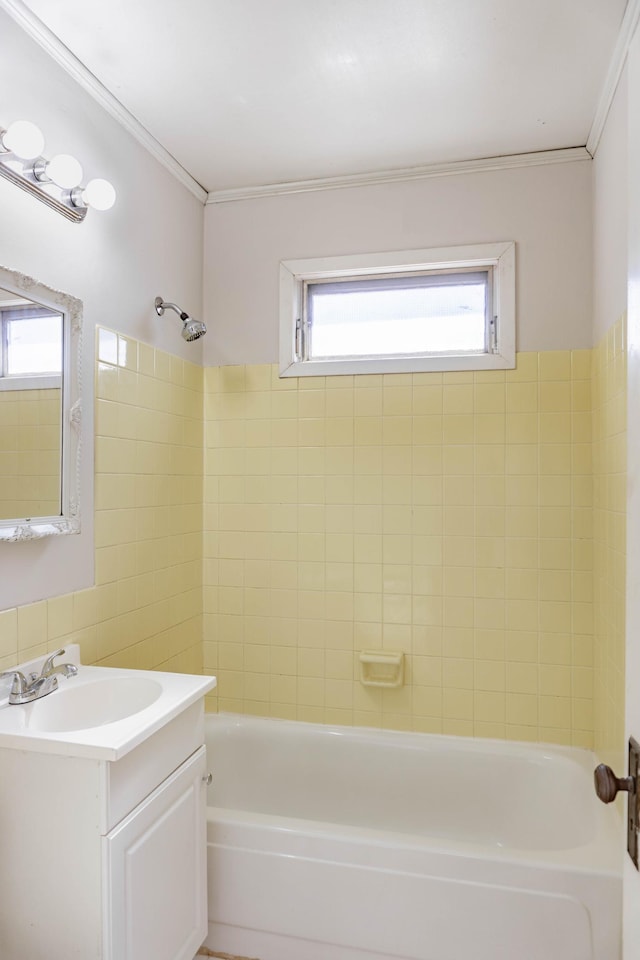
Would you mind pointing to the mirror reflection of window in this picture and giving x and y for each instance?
(31, 364)
(40, 441)
(31, 341)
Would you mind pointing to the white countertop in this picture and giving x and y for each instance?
(20, 728)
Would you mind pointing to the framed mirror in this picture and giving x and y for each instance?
(40, 409)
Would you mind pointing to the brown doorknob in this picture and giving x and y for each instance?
(607, 784)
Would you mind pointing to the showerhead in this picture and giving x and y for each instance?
(191, 329)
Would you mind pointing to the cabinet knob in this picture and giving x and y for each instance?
(208, 779)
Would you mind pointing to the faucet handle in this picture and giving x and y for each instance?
(47, 666)
(20, 682)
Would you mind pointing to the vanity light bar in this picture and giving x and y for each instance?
(55, 182)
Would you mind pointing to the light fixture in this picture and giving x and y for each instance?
(24, 139)
(57, 182)
(98, 194)
(63, 170)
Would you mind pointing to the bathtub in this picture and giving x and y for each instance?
(338, 843)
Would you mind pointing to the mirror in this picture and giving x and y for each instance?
(40, 333)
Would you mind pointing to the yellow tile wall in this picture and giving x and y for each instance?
(463, 519)
(609, 469)
(145, 610)
(29, 453)
(445, 515)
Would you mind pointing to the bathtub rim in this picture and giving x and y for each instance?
(603, 854)
(581, 755)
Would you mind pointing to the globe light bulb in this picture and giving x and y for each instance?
(24, 139)
(64, 170)
(99, 194)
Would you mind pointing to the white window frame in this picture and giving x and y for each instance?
(499, 258)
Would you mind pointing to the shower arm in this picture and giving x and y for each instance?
(162, 305)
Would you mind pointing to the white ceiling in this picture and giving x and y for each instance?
(251, 92)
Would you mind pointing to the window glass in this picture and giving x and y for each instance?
(398, 316)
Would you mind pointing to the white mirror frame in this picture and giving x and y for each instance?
(33, 528)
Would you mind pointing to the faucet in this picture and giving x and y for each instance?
(48, 669)
(26, 689)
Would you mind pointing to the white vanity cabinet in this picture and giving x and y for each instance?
(106, 860)
(154, 865)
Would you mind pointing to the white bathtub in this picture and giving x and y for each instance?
(335, 843)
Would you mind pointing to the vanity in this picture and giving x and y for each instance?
(103, 818)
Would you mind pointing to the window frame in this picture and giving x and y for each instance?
(497, 258)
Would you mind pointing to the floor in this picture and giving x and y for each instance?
(204, 952)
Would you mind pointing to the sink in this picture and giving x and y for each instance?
(102, 713)
(92, 704)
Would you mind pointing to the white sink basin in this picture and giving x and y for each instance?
(101, 713)
(92, 704)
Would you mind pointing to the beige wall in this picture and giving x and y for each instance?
(610, 219)
(610, 203)
(561, 264)
(546, 210)
(116, 262)
(307, 559)
(461, 533)
(445, 516)
(145, 609)
(609, 547)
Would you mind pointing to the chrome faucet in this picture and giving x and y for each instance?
(66, 669)
(26, 689)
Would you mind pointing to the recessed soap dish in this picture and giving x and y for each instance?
(381, 668)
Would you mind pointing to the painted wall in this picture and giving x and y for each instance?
(145, 610)
(546, 210)
(610, 203)
(609, 542)
(447, 516)
(150, 243)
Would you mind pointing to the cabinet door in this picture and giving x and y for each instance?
(155, 873)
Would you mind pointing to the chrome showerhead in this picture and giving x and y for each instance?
(191, 329)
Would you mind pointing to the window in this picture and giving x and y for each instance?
(30, 347)
(446, 309)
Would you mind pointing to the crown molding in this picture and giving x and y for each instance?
(34, 27)
(77, 70)
(568, 155)
(616, 66)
